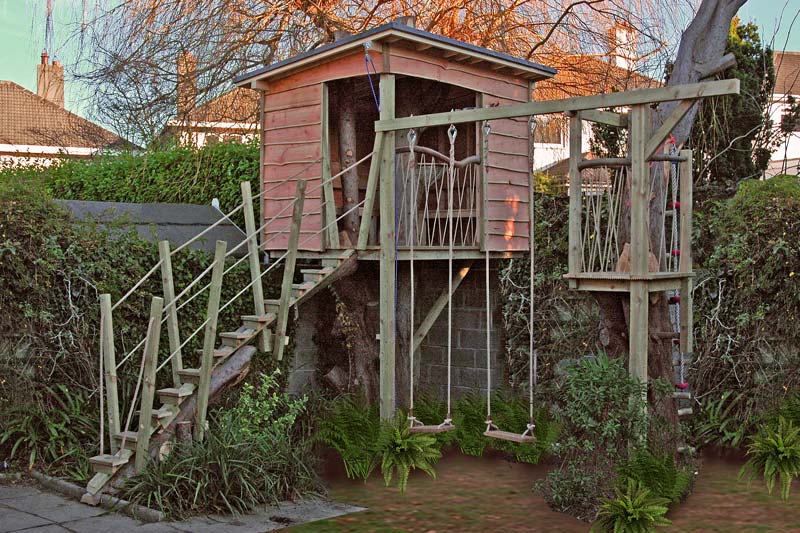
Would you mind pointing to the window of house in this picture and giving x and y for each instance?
(549, 129)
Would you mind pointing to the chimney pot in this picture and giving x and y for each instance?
(44, 57)
(408, 20)
(50, 81)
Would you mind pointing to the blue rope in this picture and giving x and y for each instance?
(368, 61)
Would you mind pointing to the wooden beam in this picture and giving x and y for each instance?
(110, 368)
(288, 270)
(685, 263)
(627, 98)
(254, 258)
(148, 384)
(209, 340)
(372, 186)
(438, 306)
(662, 133)
(329, 208)
(259, 85)
(575, 253)
(172, 312)
(388, 281)
(619, 120)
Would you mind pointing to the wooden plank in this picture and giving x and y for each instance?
(292, 134)
(346, 66)
(293, 117)
(372, 185)
(209, 340)
(254, 258)
(619, 120)
(388, 281)
(172, 311)
(574, 258)
(656, 141)
(294, 97)
(288, 270)
(332, 233)
(685, 263)
(109, 367)
(438, 306)
(309, 151)
(148, 384)
(620, 99)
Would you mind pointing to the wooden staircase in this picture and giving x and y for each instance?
(127, 445)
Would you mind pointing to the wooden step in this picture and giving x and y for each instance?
(219, 353)
(682, 395)
(130, 437)
(315, 275)
(173, 396)
(299, 289)
(108, 463)
(686, 411)
(258, 322)
(190, 375)
(236, 338)
(164, 416)
(274, 305)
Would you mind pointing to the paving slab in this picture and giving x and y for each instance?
(111, 522)
(13, 520)
(8, 492)
(52, 528)
(54, 507)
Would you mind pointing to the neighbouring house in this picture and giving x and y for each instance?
(35, 128)
(231, 116)
(786, 158)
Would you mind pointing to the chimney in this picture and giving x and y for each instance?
(409, 20)
(187, 84)
(50, 80)
(623, 43)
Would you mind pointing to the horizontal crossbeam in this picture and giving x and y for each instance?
(622, 99)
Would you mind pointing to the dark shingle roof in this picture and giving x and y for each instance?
(29, 119)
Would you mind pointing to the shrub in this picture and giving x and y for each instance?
(253, 454)
(402, 451)
(351, 428)
(512, 413)
(774, 453)
(718, 422)
(634, 510)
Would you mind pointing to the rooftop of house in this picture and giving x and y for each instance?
(397, 32)
(787, 72)
(31, 120)
(587, 75)
(239, 106)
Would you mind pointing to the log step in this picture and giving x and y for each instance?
(173, 396)
(109, 464)
(130, 437)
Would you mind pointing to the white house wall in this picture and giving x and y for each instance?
(786, 157)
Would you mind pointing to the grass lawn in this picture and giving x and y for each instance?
(492, 494)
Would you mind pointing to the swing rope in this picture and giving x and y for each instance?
(412, 139)
(452, 132)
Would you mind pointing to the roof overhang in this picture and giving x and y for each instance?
(394, 32)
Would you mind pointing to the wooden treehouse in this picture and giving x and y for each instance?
(397, 145)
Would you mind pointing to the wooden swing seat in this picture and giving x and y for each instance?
(509, 436)
(431, 429)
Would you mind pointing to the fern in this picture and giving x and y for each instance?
(429, 410)
(658, 473)
(634, 510)
(774, 453)
(402, 451)
(352, 429)
(512, 413)
(469, 417)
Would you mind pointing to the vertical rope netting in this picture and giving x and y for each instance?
(412, 138)
(452, 132)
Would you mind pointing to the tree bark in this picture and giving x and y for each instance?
(347, 155)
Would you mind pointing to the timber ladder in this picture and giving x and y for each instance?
(145, 429)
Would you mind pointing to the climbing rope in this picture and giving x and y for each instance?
(452, 132)
(412, 140)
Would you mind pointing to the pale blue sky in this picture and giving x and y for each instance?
(22, 35)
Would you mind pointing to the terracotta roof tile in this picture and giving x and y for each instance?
(236, 105)
(584, 75)
(28, 119)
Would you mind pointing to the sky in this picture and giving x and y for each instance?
(22, 36)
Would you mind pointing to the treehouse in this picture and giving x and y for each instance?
(318, 111)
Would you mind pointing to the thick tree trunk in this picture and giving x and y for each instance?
(347, 155)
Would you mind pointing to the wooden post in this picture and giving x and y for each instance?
(372, 186)
(685, 263)
(148, 383)
(640, 247)
(574, 258)
(288, 270)
(327, 188)
(110, 369)
(172, 312)
(388, 255)
(255, 263)
(209, 339)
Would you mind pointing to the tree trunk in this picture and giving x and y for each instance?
(347, 155)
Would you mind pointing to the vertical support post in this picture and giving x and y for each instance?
(209, 339)
(575, 196)
(388, 255)
(685, 263)
(148, 383)
(172, 311)
(329, 210)
(372, 186)
(640, 241)
(288, 270)
(255, 264)
(110, 369)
